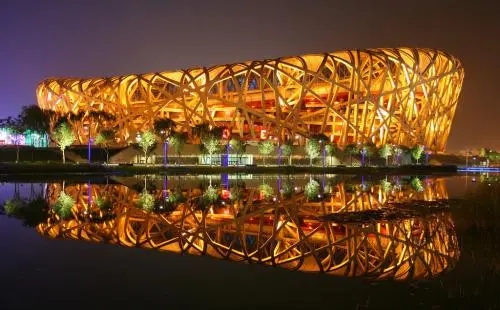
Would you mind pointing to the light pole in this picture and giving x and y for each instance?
(322, 153)
(138, 139)
(165, 142)
(87, 127)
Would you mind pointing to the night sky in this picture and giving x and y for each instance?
(44, 38)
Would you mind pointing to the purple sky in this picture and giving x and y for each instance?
(43, 38)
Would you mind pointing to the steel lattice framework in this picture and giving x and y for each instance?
(286, 234)
(395, 95)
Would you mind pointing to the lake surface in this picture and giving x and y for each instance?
(252, 241)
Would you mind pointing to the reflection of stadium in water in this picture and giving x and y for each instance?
(270, 229)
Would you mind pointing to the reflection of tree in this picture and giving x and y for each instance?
(32, 212)
(312, 190)
(286, 189)
(210, 195)
(285, 236)
(237, 190)
(63, 205)
(385, 185)
(416, 184)
(104, 204)
(266, 190)
(146, 201)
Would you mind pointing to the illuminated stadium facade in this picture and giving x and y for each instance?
(401, 96)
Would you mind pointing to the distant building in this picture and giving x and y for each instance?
(392, 95)
(29, 138)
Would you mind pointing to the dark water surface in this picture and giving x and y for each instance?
(238, 242)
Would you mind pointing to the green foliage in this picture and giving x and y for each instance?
(104, 204)
(237, 190)
(63, 205)
(313, 149)
(163, 127)
(331, 149)
(200, 130)
(106, 137)
(35, 119)
(146, 201)
(386, 151)
(312, 190)
(352, 149)
(238, 146)
(178, 140)
(266, 190)
(286, 149)
(385, 185)
(417, 151)
(64, 137)
(211, 142)
(416, 184)
(368, 149)
(13, 207)
(148, 140)
(31, 212)
(286, 189)
(210, 195)
(266, 147)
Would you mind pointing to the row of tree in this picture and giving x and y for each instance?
(63, 129)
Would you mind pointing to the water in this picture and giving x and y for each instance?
(252, 241)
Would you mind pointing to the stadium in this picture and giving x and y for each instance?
(402, 96)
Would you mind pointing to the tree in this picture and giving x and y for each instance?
(200, 130)
(146, 143)
(105, 138)
(398, 151)
(16, 128)
(210, 142)
(331, 149)
(178, 140)
(64, 137)
(287, 150)
(351, 149)
(163, 128)
(37, 120)
(384, 152)
(238, 146)
(417, 151)
(313, 149)
(265, 147)
(368, 150)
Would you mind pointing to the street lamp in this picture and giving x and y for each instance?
(165, 145)
(322, 148)
(87, 128)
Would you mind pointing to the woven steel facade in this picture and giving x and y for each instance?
(402, 96)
